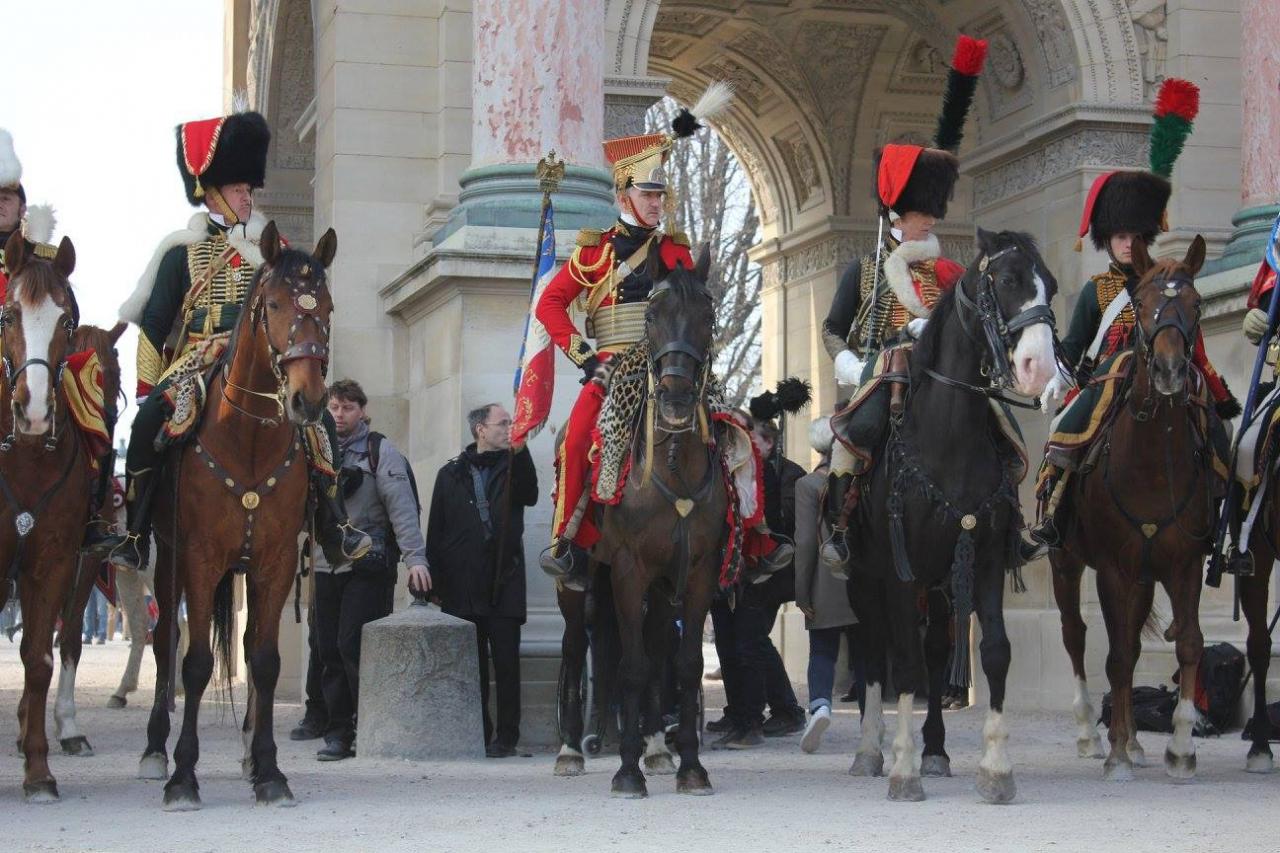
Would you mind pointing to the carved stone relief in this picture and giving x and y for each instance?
(1004, 83)
(294, 84)
(748, 89)
(1089, 147)
(1054, 34)
(801, 166)
(684, 23)
(1150, 29)
(920, 69)
(667, 46)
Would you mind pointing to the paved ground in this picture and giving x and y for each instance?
(772, 799)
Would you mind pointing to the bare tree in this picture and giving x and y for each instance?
(714, 205)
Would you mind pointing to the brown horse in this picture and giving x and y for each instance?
(663, 540)
(235, 499)
(45, 482)
(1143, 513)
(1264, 546)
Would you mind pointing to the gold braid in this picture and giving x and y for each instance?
(579, 271)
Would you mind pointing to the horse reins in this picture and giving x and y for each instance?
(11, 376)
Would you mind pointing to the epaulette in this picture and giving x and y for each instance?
(680, 239)
(590, 236)
(46, 251)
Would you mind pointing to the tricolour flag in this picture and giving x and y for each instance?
(535, 370)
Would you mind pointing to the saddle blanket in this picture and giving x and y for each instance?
(86, 400)
(1260, 442)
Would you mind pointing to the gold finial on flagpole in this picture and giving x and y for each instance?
(550, 173)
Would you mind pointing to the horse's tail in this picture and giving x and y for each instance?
(1151, 629)
(223, 618)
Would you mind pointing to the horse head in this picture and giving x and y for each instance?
(37, 322)
(292, 303)
(103, 342)
(679, 323)
(1167, 307)
(1014, 290)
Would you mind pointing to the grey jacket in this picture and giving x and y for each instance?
(383, 500)
(816, 588)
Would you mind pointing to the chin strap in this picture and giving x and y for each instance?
(216, 203)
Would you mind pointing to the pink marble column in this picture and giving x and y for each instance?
(1260, 68)
(538, 81)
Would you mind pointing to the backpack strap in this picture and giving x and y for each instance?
(375, 450)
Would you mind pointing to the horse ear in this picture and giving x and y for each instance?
(703, 265)
(1195, 255)
(983, 239)
(657, 269)
(65, 261)
(269, 243)
(117, 330)
(326, 249)
(15, 252)
(1141, 258)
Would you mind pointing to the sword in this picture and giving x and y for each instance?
(1217, 558)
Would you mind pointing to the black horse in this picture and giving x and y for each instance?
(940, 506)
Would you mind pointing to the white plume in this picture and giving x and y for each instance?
(820, 435)
(240, 101)
(713, 101)
(40, 223)
(10, 166)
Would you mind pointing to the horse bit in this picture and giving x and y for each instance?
(697, 376)
(11, 377)
(1170, 288)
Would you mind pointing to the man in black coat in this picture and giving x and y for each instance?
(474, 545)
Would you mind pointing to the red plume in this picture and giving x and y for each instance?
(970, 55)
(1177, 97)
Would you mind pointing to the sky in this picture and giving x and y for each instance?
(92, 98)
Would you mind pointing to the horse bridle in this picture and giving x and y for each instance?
(1170, 288)
(12, 374)
(697, 375)
(306, 306)
(997, 333)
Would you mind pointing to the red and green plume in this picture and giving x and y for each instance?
(962, 81)
(1177, 104)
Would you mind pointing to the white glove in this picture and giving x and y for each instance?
(1255, 324)
(849, 368)
(1053, 392)
(916, 327)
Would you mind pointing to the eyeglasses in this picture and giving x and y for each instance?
(500, 424)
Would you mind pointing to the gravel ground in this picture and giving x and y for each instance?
(774, 798)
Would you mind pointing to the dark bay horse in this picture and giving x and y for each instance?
(662, 541)
(45, 481)
(1255, 601)
(235, 496)
(1144, 513)
(940, 505)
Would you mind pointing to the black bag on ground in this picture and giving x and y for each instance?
(1152, 709)
(1218, 685)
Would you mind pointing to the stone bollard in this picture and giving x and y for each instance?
(419, 687)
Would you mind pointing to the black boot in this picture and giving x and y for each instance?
(566, 563)
(339, 540)
(98, 536)
(835, 551)
(133, 551)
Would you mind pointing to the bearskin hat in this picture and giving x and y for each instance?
(217, 152)
(789, 397)
(1131, 202)
(910, 177)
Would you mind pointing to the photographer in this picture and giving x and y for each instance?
(380, 499)
(475, 528)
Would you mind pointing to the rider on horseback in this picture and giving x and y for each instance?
(893, 288)
(186, 305)
(1122, 207)
(38, 231)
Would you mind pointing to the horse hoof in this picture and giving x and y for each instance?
(906, 789)
(154, 765)
(629, 786)
(1180, 767)
(1259, 762)
(117, 702)
(1117, 771)
(77, 746)
(41, 793)
(570, 765)
(996, 788)
(274, 793)
(1089, 747)
(183, 797)
(659, 765)
(693, 781)
(867, 764)
(935, 765)
(1137, 755)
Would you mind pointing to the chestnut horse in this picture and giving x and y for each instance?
(234, 500)
(1143, 513)
(45, 482)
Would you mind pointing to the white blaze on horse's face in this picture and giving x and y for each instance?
(1033, 359)
(39, 324)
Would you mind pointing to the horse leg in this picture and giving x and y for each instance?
(266, 601)
(182, 791)
(249, 724)
(937, 650)
(1253, 600)
(904, 775)
(1067, 571)
(692, 777)
(154, 763)
(1123, 636)
(659, 625)
(129, 591)
(573, 654)
(70, 645)
(1183, 587)
(38, 784)
(628, 600)
(995, 770)
(868, 600)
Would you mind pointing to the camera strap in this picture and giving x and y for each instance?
(482, 500)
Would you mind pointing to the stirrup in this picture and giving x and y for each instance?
(129, 554)
(1240, 563)
(103, 544)
(561, 566)
(1032, 550)
(835, 554)
(359, 541)
(1046, 533)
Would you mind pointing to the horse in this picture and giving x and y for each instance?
(45, 482)
(131, 590)
(940, 505)
(239, 492)
(662, 541)
(1154, 528)
(1264, 547)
